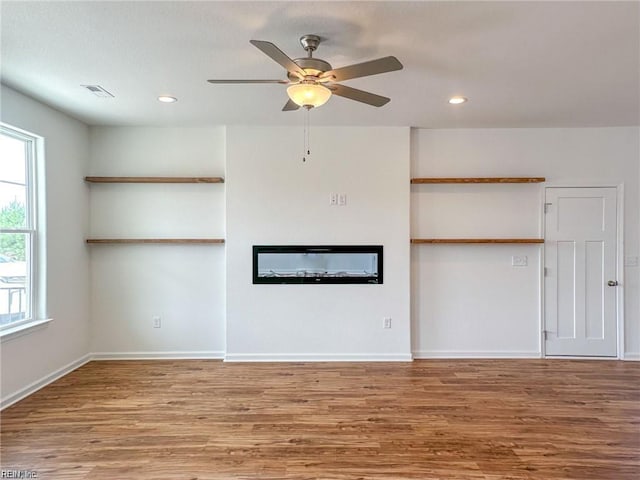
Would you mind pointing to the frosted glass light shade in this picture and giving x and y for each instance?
(309, 94)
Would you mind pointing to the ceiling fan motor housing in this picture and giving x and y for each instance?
(312, 66)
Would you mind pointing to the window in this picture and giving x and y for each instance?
(18, 222)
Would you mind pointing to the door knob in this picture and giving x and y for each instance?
(612, 283)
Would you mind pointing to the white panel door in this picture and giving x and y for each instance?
(580, 271)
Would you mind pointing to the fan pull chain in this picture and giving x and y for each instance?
(306, 147)
(308, 133)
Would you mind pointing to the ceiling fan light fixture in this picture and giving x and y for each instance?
(309, 94)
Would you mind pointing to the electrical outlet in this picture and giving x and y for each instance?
(519, 261)
(333, 199)
(386, 322)
(342, 199)
(156, 322)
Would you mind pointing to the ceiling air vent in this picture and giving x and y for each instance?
(98, 91)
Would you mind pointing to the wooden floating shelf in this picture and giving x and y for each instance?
(167, 241)
(479, 180)
(477, 240)
(154, 179)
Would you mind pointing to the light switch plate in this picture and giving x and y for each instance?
(631, 261)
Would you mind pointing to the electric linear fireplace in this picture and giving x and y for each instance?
(317, 264)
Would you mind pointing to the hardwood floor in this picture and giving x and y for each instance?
(430, 419)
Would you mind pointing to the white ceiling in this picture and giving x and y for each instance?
(522, 64)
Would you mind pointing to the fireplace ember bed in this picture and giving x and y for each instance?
(317, 264)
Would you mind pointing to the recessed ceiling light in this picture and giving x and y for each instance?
(167, 99)
(457, 100)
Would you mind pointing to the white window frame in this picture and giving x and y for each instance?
(33, 152)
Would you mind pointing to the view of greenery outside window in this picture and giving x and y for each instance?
(17, 226)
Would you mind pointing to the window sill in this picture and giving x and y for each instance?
(24, 329)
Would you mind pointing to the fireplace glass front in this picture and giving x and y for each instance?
(317, 264)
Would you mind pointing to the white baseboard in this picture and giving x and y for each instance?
(43, 382)
(318, 357)
(207, 354)
(423, 354)
(632, 356)
(587, 359)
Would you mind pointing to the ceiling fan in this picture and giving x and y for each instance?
(312, 81)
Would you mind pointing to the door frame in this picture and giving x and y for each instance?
(619, 266)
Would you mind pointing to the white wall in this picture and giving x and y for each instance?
(30, 358)
(468, 300)
(182, 284)
(275, 198)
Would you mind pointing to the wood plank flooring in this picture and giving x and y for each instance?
(428, 420)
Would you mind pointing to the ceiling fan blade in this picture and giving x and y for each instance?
(290, 106)
(278, 55)
(358, 95)
(372, 67)
(285, 82)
